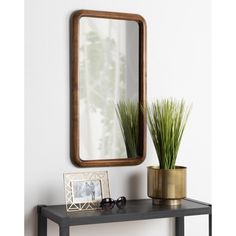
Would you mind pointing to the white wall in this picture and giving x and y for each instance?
(178, 65)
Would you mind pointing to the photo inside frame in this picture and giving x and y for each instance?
(86, 191)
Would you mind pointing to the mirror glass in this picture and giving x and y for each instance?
(108, 73)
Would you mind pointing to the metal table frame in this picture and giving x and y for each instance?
(135, 210)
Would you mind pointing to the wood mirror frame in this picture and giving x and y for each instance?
(74, 88)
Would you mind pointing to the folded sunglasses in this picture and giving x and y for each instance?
(109, 203)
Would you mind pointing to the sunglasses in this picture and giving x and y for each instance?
(109, 203)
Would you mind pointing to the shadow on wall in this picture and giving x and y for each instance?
(47, 197)
(135, 185)
(31, 222)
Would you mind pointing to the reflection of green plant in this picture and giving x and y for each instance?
(166, 121)
(128, 113)
(99, 70)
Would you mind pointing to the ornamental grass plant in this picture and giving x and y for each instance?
(167, 119)
(128, 115)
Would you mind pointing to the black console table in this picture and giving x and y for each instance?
(134, 210)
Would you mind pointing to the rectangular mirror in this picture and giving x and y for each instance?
(108, 67)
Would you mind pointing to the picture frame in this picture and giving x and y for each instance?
(85, 190)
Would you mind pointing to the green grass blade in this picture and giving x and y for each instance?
(167, 119)
(128, 114)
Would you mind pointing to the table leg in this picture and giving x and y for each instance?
(210, 225)
(179, 226)
(42, 222)
(64, 231)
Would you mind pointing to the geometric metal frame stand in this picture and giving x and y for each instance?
(141, 209)
(69, 178)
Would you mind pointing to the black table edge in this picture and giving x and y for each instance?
(127, 217)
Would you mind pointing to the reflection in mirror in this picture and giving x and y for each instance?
(128, 114)
(109, 73)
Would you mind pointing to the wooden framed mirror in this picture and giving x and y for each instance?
(107, 65)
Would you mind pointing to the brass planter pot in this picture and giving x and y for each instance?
(166, 186)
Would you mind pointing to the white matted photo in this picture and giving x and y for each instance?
(85, 190)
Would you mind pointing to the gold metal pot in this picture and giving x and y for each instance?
(166, 186)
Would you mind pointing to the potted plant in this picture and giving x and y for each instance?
(166, 122)
(128, 115)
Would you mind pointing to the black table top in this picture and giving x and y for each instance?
(135, 210)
